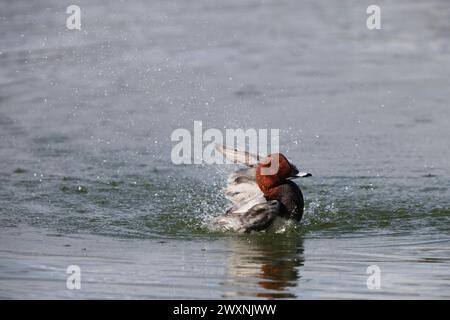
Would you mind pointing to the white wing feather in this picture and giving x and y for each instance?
(241, 189)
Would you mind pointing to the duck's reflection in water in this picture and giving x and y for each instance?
(266, 266)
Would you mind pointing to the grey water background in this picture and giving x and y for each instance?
(85, 124)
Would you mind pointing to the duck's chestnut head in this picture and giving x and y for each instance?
(274, 170)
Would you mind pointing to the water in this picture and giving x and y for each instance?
(85, 124)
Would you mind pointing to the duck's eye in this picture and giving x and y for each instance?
(294, 170)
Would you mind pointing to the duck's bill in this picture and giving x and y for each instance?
(301, 175)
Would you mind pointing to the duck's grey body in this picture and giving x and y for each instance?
(250, 211)
(258, 217)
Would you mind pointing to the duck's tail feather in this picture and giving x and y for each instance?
(237, 156)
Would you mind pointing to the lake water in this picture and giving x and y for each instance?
(85, 124)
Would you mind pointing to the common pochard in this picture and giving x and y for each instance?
(262, 192)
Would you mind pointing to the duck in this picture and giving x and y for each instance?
(261, 193)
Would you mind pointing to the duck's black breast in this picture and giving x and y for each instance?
(291, 199)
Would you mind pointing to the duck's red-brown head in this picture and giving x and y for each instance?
(274, 170)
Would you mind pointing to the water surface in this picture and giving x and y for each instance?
(85, 124)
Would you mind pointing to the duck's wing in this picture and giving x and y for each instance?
(250, 210)
(241, 188)
(242, 191)
(236, 156)
(257, 218)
